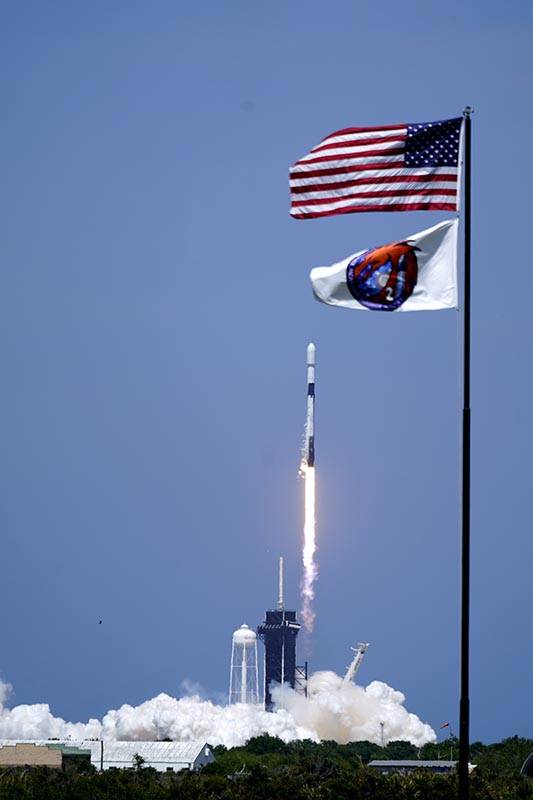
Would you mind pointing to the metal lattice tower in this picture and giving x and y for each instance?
(243, 677)
(279, 632)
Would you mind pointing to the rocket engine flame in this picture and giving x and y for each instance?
(307, 472)
(310, 567)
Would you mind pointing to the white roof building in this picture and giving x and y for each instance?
(411, 765)
(162, 756)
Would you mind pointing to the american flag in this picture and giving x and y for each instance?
(407, 167)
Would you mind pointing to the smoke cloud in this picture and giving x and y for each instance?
(346, 712)
(332, 710)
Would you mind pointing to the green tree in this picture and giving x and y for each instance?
(138, 761)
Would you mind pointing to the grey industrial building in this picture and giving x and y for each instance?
(162, 756)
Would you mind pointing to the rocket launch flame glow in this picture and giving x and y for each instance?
(307, 471)
(309, 549)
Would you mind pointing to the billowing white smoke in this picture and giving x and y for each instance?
(37, 722)
(333, 710)
(346, 712)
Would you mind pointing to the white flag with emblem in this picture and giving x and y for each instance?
(418, 273)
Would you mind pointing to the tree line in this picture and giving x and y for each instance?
(266, 768)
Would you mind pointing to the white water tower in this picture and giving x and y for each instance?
(243, 677)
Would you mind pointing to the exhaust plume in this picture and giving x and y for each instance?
(333, 710)
(310, 568)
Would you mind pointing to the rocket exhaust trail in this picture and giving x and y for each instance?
(310, 573)
(307, 471)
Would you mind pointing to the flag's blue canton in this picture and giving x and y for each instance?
(433, 144)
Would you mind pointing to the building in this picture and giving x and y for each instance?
(42, 754)
(406, 766)
(162, 756)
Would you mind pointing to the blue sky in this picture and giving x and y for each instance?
(155, 310)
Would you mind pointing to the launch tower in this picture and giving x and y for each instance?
(279, 632)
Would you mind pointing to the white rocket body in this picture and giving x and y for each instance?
(310, 416)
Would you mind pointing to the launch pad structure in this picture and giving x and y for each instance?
(278, 633)
(280, 627)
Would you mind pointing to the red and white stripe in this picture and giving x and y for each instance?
(363, 169)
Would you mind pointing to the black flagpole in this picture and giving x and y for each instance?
(464, 709)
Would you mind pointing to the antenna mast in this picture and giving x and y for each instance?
(281, 599)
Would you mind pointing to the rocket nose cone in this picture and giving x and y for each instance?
(311, 353)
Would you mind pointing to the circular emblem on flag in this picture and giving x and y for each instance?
(383, 278)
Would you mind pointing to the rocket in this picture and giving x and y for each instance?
(309, 445)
